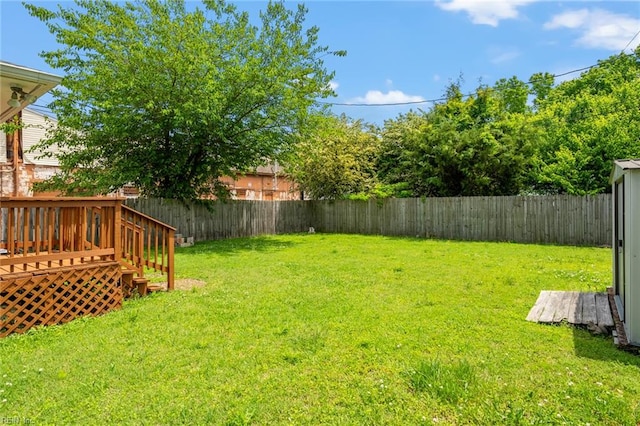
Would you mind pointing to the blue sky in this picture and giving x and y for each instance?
(409, 51)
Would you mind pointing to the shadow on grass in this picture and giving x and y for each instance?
(600, 348)
(234, 246)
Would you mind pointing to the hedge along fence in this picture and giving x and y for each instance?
(557, 219)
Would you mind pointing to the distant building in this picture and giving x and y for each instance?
(267, 183)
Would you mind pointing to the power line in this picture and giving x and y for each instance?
(571, 72)
(40, 108)
(631, 41)
(386, 104)
(467, 95)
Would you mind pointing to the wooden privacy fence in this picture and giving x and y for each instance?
(558, 219)
(212, 220)
(61, 258)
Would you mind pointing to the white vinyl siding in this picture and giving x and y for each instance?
(35, 129)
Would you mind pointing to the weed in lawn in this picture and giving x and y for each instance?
(243, 419)
(509, 281)
(309, 340)
(449, 383)
(364, 345)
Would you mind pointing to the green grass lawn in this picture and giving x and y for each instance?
(334, 329)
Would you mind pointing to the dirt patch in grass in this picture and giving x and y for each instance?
(183, 284)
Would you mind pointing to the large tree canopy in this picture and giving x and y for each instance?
(169, 97)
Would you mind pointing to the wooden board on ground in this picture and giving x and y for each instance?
(574, 311)
(603, 310)
(554, 303)
(589, 308)
(573, 307)
(537, 309)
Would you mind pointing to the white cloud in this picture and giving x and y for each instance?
(573, 19)
(376, 97)
(486, 12)
(333, 85)
(598, 29)
(501, 55)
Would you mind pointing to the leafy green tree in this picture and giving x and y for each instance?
(170, 99)
(512, 95)
(335, 158)
(541, 85)
(394, 165)
(481, 145)
(587, 123)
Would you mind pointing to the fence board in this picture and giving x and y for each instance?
(554, 219)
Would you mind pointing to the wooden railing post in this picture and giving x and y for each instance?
(138, 249)
(170, 270)
(117, 230)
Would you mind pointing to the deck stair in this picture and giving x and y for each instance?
(146, 244)
(132, 284)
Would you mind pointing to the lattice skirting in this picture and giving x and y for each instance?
(58, 296)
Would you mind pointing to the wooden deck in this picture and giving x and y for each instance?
(578, 308)
(65, 257)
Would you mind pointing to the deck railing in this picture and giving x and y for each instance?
(147, 243)
(40, 233)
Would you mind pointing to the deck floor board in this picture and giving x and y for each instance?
(36, 267)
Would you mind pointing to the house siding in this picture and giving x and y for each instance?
(35, 130)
